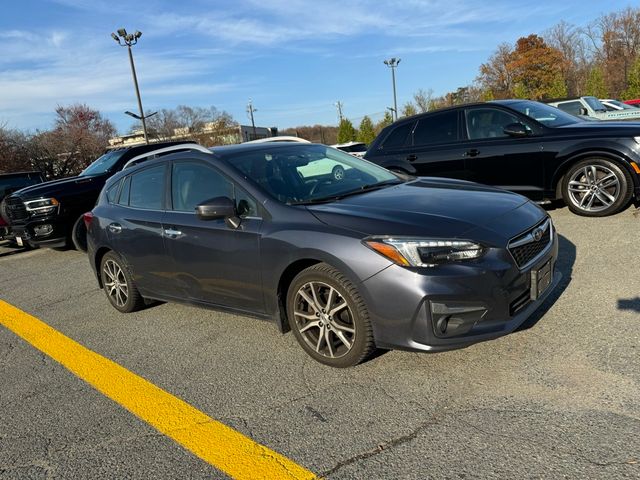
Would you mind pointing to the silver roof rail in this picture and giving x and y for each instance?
(172, 148)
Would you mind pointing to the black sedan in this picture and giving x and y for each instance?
(524, 146)
(350, 262)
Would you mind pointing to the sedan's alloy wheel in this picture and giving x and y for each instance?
(594, 188)
(324, 319)
(116, 283)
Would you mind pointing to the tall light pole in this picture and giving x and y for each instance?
(125, 39)
(392, 63)
(250, 111)
(339, 107)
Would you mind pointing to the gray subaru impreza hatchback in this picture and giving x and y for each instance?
(346, 254)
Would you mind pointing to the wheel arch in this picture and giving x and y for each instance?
(286, 277)
(97, 260)
(571, 160)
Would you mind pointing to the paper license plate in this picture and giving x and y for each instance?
(541, 279)
(19, 241)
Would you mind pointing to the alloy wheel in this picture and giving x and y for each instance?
(594, 188)
(115, 283)
(324, 319)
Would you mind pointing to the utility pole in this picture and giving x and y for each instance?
(250, 111)
(339, 107)
(392, 63)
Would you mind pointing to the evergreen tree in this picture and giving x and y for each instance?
(385, 122)
(366, 133)
(409, 109)
(346, 132)
(633, 82)
(595, 83)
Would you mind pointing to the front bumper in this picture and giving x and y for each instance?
(493, 296)
(57, 237)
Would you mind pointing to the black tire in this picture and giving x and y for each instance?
(79, 234)
(315, 330)
(597, 187)
(123, 285)
(3, 212)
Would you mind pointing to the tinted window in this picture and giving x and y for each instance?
(398, 137)
(147, 187)
(488, 123)
(112, 191)
(571, 107)
(124, 194)
(437, 128)
(192, 183)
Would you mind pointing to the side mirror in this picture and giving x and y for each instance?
(215, 208)
(516, 130)
(584, 111)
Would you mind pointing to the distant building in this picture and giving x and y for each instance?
(231, 135)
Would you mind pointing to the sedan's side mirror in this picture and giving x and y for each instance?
(216, 208)
(516, 130)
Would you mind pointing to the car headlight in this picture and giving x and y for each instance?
(424, 252)
(42, 206)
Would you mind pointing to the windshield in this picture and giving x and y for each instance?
(545, 114)
(618, 103)
(595, 104)
(103, 164)
(298, 174)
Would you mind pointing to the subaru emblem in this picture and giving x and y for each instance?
(537, 234)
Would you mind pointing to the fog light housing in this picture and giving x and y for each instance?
(42, 230)
(455, 318)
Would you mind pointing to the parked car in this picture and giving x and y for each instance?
(9, 183)
(519, 145)
(50, 214)
(634, 103)
(280, 138)
(357, 149)
(370, 260)
(592, 107)
(613, 105)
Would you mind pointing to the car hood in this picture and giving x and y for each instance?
(56, 187)
(627, 128)
(433, 207)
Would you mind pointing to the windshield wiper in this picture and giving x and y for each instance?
(362, 189)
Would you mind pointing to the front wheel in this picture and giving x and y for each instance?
(597, 187)
(329, 318)
(118, 284)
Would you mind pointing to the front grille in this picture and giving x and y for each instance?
(16, 211)
(526, 247)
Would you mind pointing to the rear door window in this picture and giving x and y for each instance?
(147, 188)
(571, 107)
(399, 137)
(437, 128)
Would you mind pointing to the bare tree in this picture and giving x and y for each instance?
(423, 100)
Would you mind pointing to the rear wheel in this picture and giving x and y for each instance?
(329, 318)
(118, 284)
(597, 187)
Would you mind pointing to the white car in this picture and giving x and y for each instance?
(357, 149)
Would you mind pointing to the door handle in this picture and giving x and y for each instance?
(115, 228)
(474, 152)
(170, 232)
(412, 158)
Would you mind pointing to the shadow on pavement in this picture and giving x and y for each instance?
(629, 304)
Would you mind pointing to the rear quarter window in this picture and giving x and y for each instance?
(398, 137)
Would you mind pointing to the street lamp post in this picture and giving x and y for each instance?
(392, 63)
(129, 39)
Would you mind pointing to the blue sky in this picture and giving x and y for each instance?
(293, 58)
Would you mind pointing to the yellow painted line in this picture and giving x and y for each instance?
(221, 446)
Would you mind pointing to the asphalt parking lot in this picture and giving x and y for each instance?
(558, 399)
